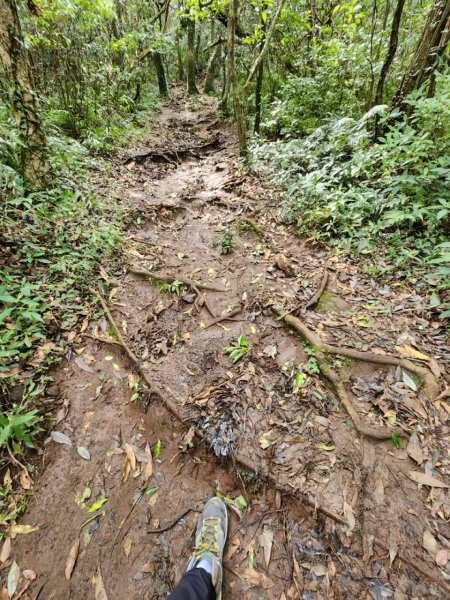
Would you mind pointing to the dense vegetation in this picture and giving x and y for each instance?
(344, 104)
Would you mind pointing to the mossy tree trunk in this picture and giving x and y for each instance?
(160, 73)
(192, 89)
(24, 102)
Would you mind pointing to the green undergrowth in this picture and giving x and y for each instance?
(387, 201)
(54, 245)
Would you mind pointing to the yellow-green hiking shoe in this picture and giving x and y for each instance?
(210, 538)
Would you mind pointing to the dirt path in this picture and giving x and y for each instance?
(347, 521)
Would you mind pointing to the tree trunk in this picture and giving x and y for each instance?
(180, 60)
(432, 44)
(211, 70)
(258, 90)
(223, 104)
(190, 58)
(238, 112)
(24, 102)
(160, 73)
(393, 42)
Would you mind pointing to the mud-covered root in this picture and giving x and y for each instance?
(431, 387)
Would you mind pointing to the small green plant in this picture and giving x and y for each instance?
(18, 428)
(226, 242)
(299, 382)
(238, 349)
(174, 287)
(395, 441)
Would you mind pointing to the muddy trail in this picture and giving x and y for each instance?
(330, 513)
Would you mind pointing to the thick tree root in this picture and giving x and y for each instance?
(243, 462)
(171, 278)
(316, 297)
(430, 385)
(175, 155)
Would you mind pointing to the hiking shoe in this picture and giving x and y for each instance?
(210, 538)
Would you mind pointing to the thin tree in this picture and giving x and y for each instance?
(393, 43)
(24, 102)
(192, 89)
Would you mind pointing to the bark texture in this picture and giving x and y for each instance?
(192, 89)
(24, 102)
(431, 47)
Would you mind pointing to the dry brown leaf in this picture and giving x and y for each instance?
(149, 467)
(72, 558)
(414, 449)
(7, 479)
(441, 558)
(6, 550)
(99, 588)
(130, 455)
(349, 517)
(21, 530)
(127, 543)
(429, 543)
(266, 541)
(253, 577)
(234, 544)
(435, 368)
(424, 479)
(409, 352)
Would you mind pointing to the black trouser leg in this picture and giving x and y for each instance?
(196, 584)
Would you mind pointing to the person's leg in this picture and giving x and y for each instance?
(196, 584)
(203, 577)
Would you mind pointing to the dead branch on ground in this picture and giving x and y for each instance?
(171, 278)
(175, 155)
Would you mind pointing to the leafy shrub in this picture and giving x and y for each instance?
(343, 188)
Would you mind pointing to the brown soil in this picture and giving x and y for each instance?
(347, 521)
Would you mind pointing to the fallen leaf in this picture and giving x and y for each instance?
(82, 365)
(29, 574)
(127, 542)
(96, 505)
(13, 579)
(72, 558)
(7, 479)
(233, 545)
(409, 382)
(84, 452)
(410, 352)
(441, 558)
(6, 550)
(414, 448)
(60, 438)
(429, 543)
(22, 529)
(253, 577)
(319, 570)
(424, 479)
(157, 450)
(349, 517)
(266, 541)
(25, 480)
(99, 588)
(130, 455)
(329, 448)
(149, 467)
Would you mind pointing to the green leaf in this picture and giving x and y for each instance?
(96, 505)
(151, 490)
(395, 440)
(157, 449)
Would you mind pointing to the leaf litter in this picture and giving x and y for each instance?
(313, 452)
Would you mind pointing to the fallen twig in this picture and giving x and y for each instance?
(171, 278)
(316, 297)
(224, 317)
(172, 523)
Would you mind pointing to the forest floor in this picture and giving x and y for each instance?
(330, 513)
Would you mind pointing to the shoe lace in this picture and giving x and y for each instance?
(208, 541)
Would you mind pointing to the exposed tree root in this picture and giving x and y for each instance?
(430, 384)
(175, 155)
(316, 297)
(244, 462)
(171, 278)
(224, 317)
